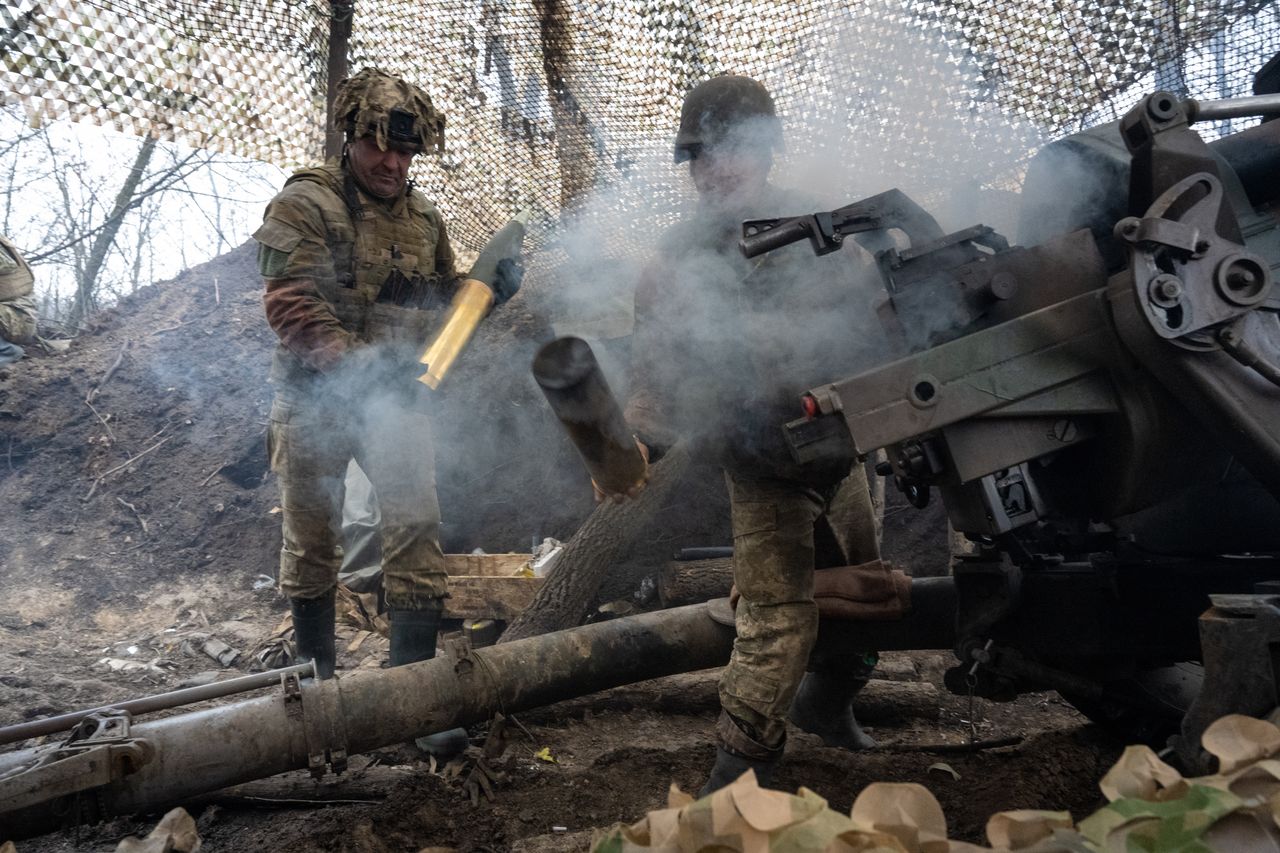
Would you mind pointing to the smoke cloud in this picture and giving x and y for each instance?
(740, 340)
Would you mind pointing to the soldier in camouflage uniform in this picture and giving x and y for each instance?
(359, 272)
(722, 349)
(17, 304)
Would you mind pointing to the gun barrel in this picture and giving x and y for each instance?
(567, 372)
(1254, 155)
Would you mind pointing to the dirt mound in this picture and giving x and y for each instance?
(182, 373)
(174, 380)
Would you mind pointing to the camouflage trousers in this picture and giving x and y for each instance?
(18, 320)
(311, 442)
(782, 531)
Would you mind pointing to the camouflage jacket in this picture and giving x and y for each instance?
(17, 301)
(724, 346)
(344, 269)
(16, 280)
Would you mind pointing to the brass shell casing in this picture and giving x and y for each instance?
(470, 305)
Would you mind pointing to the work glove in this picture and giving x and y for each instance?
(507, 279)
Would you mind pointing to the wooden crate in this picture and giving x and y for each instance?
(485, 586)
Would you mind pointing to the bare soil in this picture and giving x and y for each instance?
(139, 523)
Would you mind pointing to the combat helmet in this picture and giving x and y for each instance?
(715, 108)
(391, 110)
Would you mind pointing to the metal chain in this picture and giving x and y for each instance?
(971, 682)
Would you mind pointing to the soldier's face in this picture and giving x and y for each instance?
(382, 173)
(726, 175)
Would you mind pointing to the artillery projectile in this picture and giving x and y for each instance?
(473, 300)
(569, 375)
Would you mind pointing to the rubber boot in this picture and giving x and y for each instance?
(313, 632)
(413, 639)
(824, 706)
(729, 766)
(737, 753)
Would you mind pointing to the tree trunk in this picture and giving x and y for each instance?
(594, 549)
(881, 702)
(87, 286)
(576, 136)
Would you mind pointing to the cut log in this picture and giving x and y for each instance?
(897, 667)
(571, 585)
(888, 701)
(694, 581)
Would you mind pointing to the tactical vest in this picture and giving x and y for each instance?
(16, 279)
(385, 286)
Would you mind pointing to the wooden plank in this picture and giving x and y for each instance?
(484, 565)
(472, 597)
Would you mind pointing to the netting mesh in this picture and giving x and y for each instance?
(549, 98)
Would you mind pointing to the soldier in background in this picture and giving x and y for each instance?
(359, 273)
(722, 349)
(17, 303)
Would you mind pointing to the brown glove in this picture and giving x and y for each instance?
(874, 592)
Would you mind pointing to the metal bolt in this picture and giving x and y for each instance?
(1241, 278)
(1003, 285)
(1169, 288)
(1065, 430)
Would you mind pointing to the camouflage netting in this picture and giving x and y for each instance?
(546, 98)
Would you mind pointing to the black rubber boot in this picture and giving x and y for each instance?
(313, 632)
(729, 766)
(413, 635)
(737, 753)
(824, 707)
(413, 639)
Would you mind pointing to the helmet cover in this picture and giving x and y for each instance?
(391, 110)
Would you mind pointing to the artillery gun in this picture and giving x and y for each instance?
(1099, 411)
